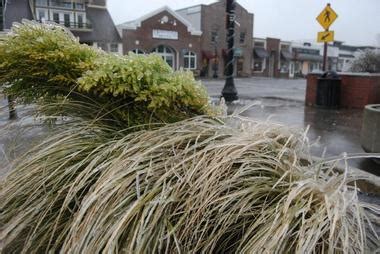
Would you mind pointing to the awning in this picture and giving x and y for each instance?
(207, 54)
(286, 55)
(260, 53)
(309, 57)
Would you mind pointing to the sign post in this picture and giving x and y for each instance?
(325, 19)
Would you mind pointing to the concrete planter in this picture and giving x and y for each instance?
(370, 134)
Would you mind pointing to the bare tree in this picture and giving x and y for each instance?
(368, 61)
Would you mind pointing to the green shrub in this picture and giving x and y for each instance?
(45, 63)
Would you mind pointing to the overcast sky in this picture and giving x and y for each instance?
(358, 21)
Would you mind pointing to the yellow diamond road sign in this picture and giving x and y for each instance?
(325, 36)
(327, 17)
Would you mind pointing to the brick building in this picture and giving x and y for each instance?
(89, 20)
(166, 33)
(192, 38)
(211, 20)
(272, 58)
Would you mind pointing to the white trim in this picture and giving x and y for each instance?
(97, 6)
(133, 25)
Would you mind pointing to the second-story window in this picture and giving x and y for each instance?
(66, 19)
(79, 6)
(41, 2)
(61, 4)
(242, 37)
(56, 17)
(80, 20)
(214, 36)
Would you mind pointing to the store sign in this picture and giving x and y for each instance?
(165, 34)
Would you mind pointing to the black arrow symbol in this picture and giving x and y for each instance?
(325, 36)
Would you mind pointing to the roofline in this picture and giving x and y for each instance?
(189, 7)
(134, 24)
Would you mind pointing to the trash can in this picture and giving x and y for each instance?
(328, 90)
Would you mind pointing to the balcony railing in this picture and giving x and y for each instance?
(72, 25)
(76, 5)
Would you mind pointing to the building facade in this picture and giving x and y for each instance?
(272, 58)
(89, 20)
(166, 33)
(211, 20)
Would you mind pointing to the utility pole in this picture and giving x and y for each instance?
(229, 91)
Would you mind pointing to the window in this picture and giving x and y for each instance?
(138, 51)
(214, 36)
(284, 67)
(41, 14)
(56, 17)
(167, 54)
(242, 37)
(103, 46)
(41, 3)
(114, 47)
(79, 6)
(190, 60)
(61, 4)
(80, 20)
(66, 19)
(258, 65)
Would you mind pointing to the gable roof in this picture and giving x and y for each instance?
(133, 25)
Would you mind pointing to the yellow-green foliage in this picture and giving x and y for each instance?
(148, 82)
(40, 60)
(46, 63)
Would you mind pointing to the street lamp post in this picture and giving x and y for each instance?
(229, 91)
(215, 64)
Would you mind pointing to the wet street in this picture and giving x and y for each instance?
(332, 132)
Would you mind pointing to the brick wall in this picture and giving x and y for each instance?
(144, 36)
(273, 48)
(214, 19)
(356, 90)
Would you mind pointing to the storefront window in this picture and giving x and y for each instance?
(190, 60)
(138, 51)
(167, 55)
(258, 65)
(284, 67)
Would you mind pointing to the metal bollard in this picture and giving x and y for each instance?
(12, 108)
